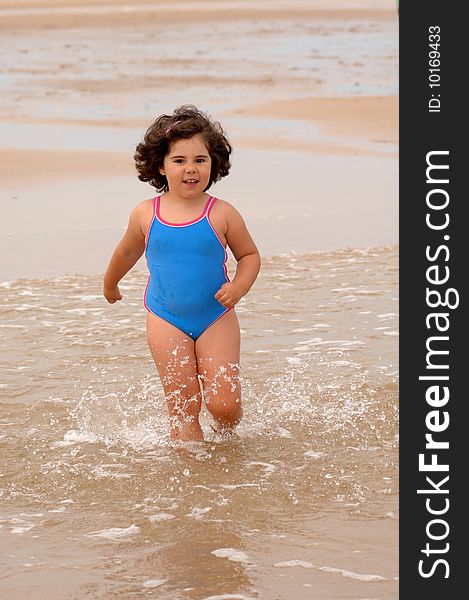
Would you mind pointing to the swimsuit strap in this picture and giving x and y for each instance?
(206, 210)
(156, 201)
(152, 219)
(209, 206)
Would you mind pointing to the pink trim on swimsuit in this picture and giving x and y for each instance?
(161, 220)
(151, 222)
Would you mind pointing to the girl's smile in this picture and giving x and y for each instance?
(187, 167)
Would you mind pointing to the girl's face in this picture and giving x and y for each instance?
(187, 167)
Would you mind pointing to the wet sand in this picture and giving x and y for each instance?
(356, 119)
(86, 13)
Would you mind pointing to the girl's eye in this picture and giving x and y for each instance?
(201, 160)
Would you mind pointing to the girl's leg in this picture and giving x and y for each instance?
(217, 351)
(174, 355)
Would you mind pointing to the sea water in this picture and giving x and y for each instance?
(96, 502)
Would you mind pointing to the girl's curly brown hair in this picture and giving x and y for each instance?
(185, 122)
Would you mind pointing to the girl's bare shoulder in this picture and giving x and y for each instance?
(145, 206)
(224, 208)
(142, 214)
(227, 212)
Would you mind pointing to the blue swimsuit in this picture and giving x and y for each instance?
(187, 264)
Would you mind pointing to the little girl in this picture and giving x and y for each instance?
(192, 328)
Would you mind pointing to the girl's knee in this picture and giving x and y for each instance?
(225, 408)
(222, 392)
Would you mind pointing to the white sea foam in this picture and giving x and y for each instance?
(103, 471)
(293, 360)
(313, 454)
(154, 583)
(198, 513)
(369, 292)
(74, 437)
(80, 312)
(282, 432)
(228, 597)
(312, 341)
(268, 468)
(22, 528)
(352, 574)
(295, 563)
(235, 486)
(342, 363)
(343, 572)
(232, 554)
(160, 517)
(87, 297)
(115, 533)
(349, 298)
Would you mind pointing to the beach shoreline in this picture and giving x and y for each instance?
(70, 123)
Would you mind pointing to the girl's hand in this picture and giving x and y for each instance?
(229, 294)
(112, 295)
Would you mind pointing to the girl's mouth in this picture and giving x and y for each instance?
(190, 181)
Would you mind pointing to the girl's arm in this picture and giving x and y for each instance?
(124, 257)
(247, 256)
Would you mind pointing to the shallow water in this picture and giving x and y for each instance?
(97, 503)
